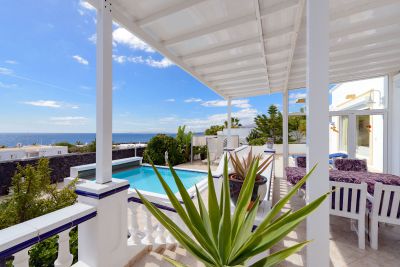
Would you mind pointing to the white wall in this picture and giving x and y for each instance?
(31, 152)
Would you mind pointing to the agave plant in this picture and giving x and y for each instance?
(222, 238)
(243, 167)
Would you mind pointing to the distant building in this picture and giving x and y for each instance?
(34, 151)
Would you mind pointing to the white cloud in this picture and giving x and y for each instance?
(7, 86)
(297, 95)
(168, 119)
(12, 62)
(161, 64)
(69, 120)
(124, 37)
(246, 117)
(93, 38)
(86, 5)
(80, 60)
(239, 103)
(50, 104)
(170, 100)
(5, 71)
(191, 100)
(164, 63)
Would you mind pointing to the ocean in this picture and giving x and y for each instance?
(12, 139)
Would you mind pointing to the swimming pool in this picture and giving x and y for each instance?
(143, 178)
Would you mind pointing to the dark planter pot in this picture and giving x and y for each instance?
(235, 185)
(203, 156)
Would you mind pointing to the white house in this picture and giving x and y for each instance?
(25, 152)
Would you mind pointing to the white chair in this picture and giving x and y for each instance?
(349, 200)
(385, 208)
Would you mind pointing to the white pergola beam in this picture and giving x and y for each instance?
(104, 93)
(281, 5)
(242, 84)
(213, 27)
(239, 78)
(229, 121)
(233, 71)
(244, 89)
(249, 93)
(167, 11)
(220, 48)
(261, 34)
(227, 61)
(317, 129)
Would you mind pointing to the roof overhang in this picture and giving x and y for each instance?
(242, 48)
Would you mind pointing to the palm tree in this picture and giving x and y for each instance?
(234, 123)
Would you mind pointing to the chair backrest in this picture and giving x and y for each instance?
(301, 161)
(347, 199)
(386, 204)
(357, 165)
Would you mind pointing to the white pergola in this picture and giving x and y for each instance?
(243, 48)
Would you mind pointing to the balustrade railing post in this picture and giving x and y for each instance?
(160, 239)
(21, 258)
(148, 229)
(170, 238)
(64, 258)
(134, 239)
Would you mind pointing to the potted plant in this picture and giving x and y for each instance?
(242, 169)
(219, 237)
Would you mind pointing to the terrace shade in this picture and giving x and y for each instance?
(243, 48)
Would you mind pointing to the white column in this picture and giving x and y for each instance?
(229, 144)
(104, 93)
(394, 124)
(21, 258)
(285, 131)
(318, 129)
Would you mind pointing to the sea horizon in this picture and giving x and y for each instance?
(11, 139)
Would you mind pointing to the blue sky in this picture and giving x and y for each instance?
(47, 77)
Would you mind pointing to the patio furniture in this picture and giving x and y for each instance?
(301, 160)
(334, 156)
(294, 174)
(349, 201)
(359, 165)
(385, 208)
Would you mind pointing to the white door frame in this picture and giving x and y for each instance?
(352, 132)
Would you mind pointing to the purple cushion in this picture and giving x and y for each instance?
(357, 165)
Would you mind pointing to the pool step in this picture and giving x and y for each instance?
(155, 259)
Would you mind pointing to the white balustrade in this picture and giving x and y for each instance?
(160, 239)
(64, 258)
(21, 258)
(134, 232)
(148, 228)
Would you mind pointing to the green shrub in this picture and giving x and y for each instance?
(156, 150)
(33, 196)
(258, 141)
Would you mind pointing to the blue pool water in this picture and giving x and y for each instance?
(144, 178)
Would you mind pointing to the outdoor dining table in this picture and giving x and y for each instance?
(294, 174)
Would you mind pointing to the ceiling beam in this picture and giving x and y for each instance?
(281, 5)
(211, 28)
(242, 84)
(248, 80)
(358, 7)
(261, 34)
(220, 48)
(249, 94)
(239, 77)
(250, 87)
(227, 61)
(233, 71)
(217, 26)
(167, 11)
(294, 37)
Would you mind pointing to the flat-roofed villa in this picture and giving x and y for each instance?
(345, 56)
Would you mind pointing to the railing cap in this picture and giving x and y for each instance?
(36, 227)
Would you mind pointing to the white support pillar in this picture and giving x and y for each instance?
(285, 130)
(318, 129)
(229, 134)
(104, 93)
